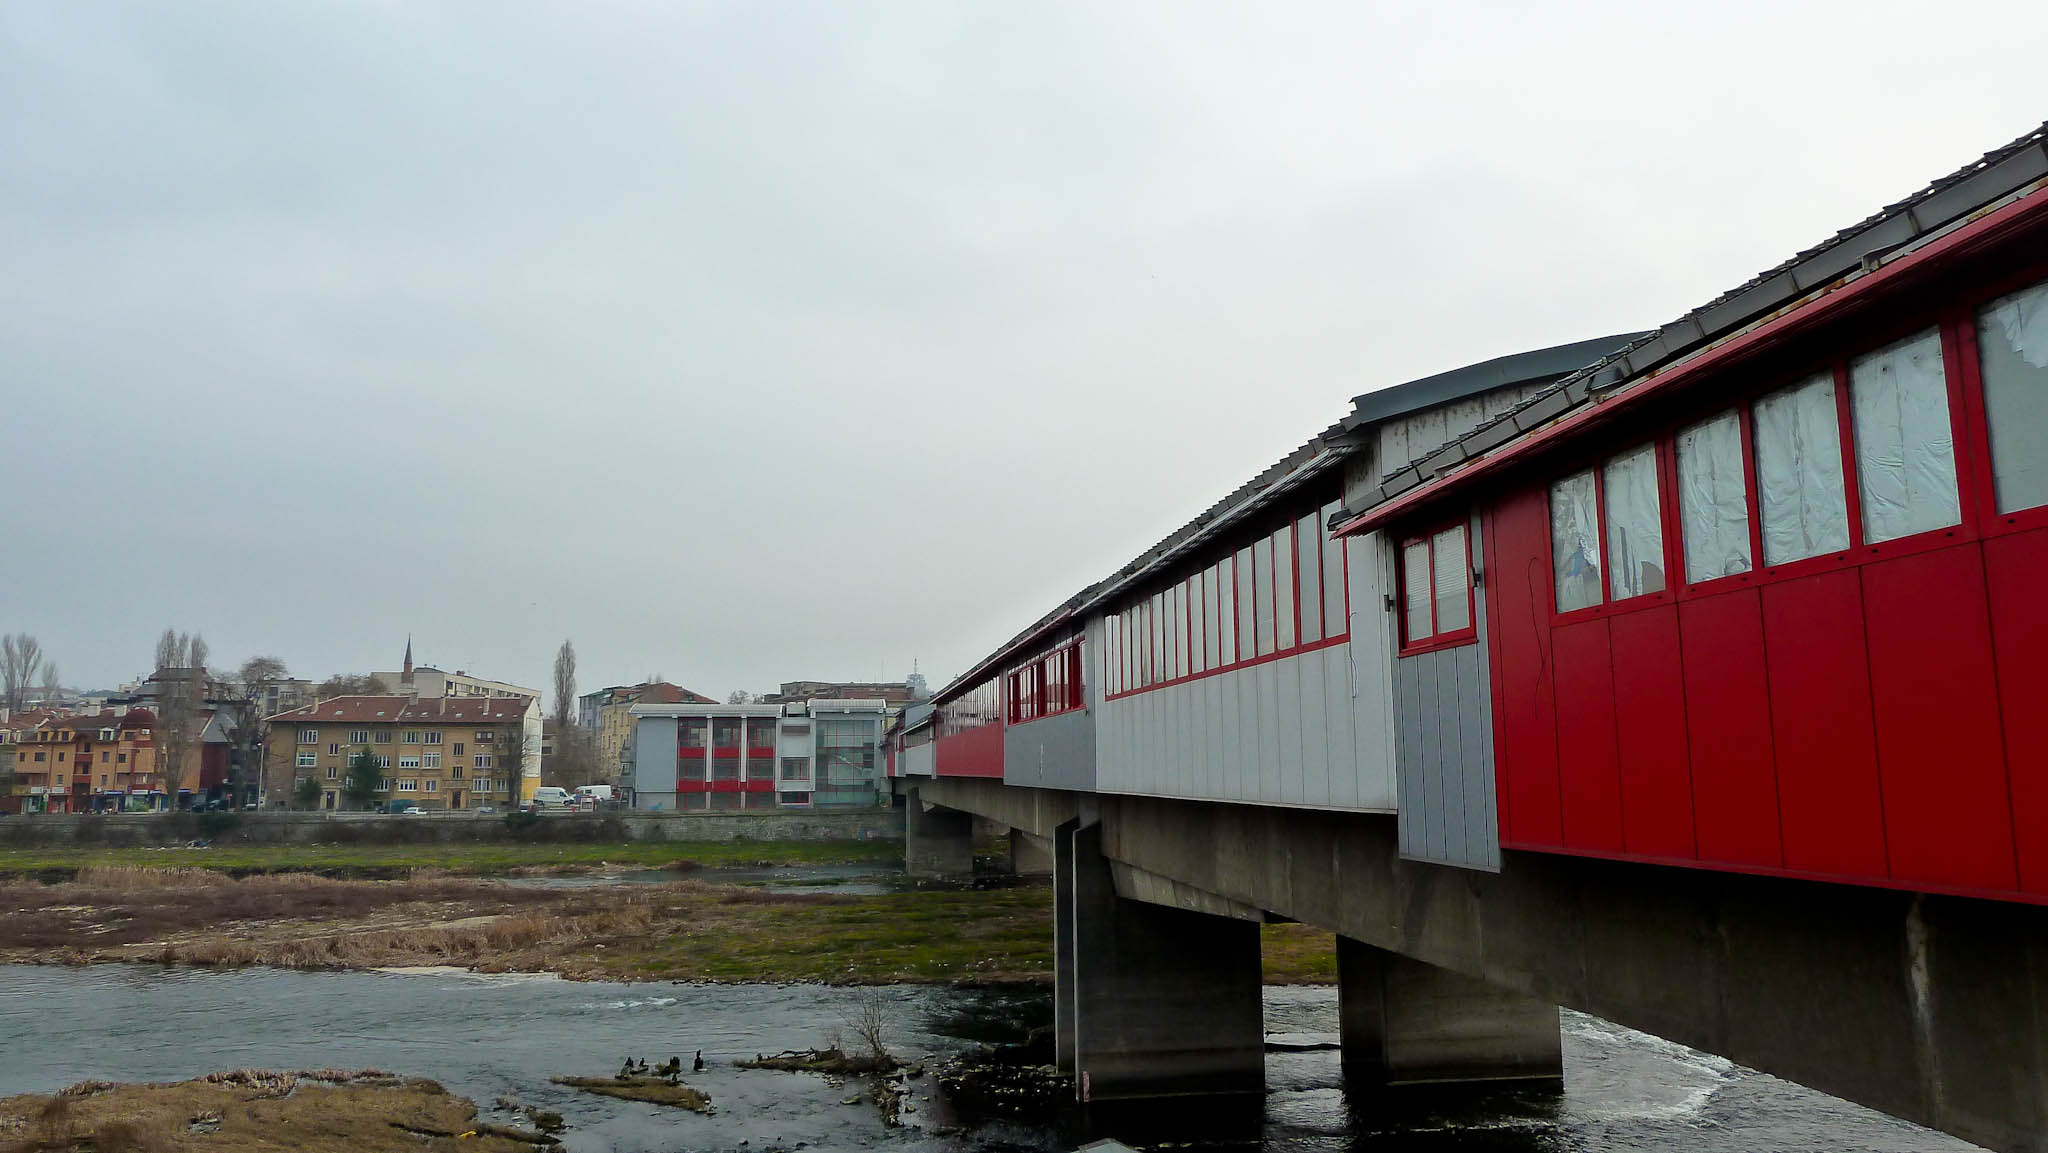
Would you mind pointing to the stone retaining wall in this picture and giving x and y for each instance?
(60, 830)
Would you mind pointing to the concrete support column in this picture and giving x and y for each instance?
(937, 841)
(1150, 1001)
(1409, 1023)
(1030, 856)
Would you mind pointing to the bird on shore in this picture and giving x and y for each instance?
(626, 1070)
(698, 1065)
(671, 1069)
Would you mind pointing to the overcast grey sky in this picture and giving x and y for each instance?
(747, 342)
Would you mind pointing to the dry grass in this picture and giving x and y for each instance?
(653, 1090)
(249, 1111)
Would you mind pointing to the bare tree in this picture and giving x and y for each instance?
(574, 761)
(53, 684)
(739, 697)
(565, 684)
(350, 685)
(248, 708)
(171, 648)
(181, 700)
(21, 658)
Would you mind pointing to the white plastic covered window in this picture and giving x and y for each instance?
(1635, 525)
(1415, 590)
(1226, 611)
(1308, 567)
(1452, 577)
(1713, 500)
(1336, 617)
(1283, 588)
(1212, 644)
(2012, 351)
(1246, 595)
(1575, 543)
(1801, 498)
(1262, 592)
(1905, 448)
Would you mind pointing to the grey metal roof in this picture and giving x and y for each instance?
(1487, 375)
(1996, 175)
(1315, 458)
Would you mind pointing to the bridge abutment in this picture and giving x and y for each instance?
(1405, 1022)
(1150, 1001)
(937, 841)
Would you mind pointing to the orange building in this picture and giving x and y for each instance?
(87, 763)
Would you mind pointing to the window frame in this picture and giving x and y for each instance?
(1955, 325)
(1426, 535)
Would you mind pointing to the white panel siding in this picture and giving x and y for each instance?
(1279, 733)
(916, 762)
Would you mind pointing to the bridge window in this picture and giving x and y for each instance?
(1575, 542)
(1226, 612)
(1336, 601)
(1436, 590)
(2012, 352)
(1905, 449)
(1048, 685)
(1635, 524)
(1308, 570)
(1262, 594)
(1212, 641)
(1713, 499)
(1802, 495)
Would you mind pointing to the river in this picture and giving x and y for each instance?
(492, 1036)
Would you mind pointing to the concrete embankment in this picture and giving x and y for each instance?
(126, 830)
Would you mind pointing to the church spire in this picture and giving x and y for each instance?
(405, 677)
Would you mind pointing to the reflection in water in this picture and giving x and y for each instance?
(490, 1036)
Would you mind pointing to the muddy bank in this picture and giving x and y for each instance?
(323, 1111)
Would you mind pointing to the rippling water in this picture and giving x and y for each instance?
(490, 1036)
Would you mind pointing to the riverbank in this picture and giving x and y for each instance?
(324, 1111)
(684, 930)
(480, 859)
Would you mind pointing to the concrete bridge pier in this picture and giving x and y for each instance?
(1408, 1023)
(1030, 856)
(1150, 1001)
(937, 841)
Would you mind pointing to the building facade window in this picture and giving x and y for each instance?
(309, 736)
(1575, 542)
(2012, 362)
(411, 737)
(408, 762)
(408, 784)
(1713, 499)
(308, 760)
(1905, 450)
(796, 768)
(1802, 496)
(430, 760)
(1634, 508)
(359, 736)
(433, 738)
(1436, 590)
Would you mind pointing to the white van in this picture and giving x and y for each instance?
(594, 792)
(551, 797)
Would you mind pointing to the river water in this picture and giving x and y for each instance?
(492, 1036)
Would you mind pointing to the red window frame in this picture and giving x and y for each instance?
(1045, 686)
(1468, 635)
(1956, 325)
(1172, 623)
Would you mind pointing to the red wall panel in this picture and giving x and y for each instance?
(1649, 731)
(2013, 568)
(1734, 785)
(1589, 770)
(978, 752)
(1940, 754)
(1828, 793)
(1518, 610)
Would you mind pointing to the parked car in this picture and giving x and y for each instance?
(485, 809)
(551, 797)
(412, 811)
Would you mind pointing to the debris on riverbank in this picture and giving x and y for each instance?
(833, 1062)
(247, 1111)
(653, 1090)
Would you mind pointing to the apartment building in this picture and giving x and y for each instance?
(428, 681)
(809, 754)
(911, 689)
(437, 753)
(81, 764)
(607, 715)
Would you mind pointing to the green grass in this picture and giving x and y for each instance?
(987, 935)
(469, 859)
